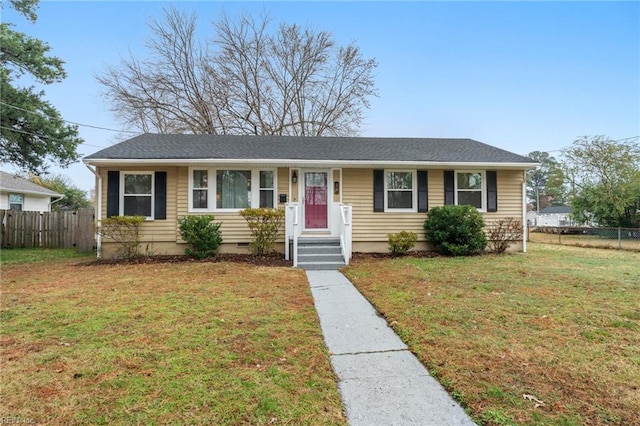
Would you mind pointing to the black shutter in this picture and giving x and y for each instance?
(160, 196)
(113, 193)
(423, 192)
(492, 191)
(449, 190)
(378, 190)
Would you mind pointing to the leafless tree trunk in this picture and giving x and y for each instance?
(244, 80)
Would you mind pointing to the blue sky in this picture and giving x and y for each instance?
(521, 76)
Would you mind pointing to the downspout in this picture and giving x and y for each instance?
(98, 212)
(525, 226)
(55, 201)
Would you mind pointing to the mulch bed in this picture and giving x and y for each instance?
(273, 259)
(411, 254)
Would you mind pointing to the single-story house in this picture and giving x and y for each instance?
(532, 218)
(17, 193)
(356, 190)
(555, 216)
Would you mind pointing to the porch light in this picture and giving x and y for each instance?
(294, 176)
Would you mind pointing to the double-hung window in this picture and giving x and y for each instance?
(400, 193)
(230, 189)
(200, 191)
(267, 189)
(470, 189)
(16, 202)
(137, 194)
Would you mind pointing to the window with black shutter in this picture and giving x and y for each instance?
(131, 193)
(378, 190)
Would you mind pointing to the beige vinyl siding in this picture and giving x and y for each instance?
(283, 185)
(234, 227)
(509, 196)
(161, 230)
(370, 226)
(436, 187)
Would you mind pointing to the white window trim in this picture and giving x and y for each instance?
(21, 203)
(483, 190)
(192, 209)
(414, 191)
(255, 192)
(214, 177)
(213, 182)
(152, 196)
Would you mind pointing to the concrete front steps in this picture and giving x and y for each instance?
(320, 253)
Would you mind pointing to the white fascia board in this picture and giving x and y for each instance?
(29, 192)
(309, 163)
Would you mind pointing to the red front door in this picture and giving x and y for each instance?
(315, 200)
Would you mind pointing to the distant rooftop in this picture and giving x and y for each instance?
(12, 183)
(556, 210)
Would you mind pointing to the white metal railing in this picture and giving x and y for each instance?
(291, 231)
(345, 231)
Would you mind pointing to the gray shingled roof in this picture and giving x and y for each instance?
(556, 210)
(12, 183)
(227, 147)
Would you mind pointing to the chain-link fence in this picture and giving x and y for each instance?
(619, 238)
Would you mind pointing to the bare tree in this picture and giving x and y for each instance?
(245, 79)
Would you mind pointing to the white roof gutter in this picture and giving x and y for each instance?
(31, 192)
(302, 163)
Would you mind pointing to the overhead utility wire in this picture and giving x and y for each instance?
(617, 140)
(67, 121)
(24, 132)
(627, 139)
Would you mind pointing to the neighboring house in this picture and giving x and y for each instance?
(355, 189)
(20, 194)
(532, 218)
(555, 216)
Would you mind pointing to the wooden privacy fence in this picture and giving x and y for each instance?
(66, 229)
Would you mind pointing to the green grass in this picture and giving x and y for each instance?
(182, 343)
(11, 256)
(559, 323)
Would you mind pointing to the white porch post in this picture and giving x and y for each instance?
(292, 231)
(345, 231)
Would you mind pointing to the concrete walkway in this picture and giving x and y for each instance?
(380, 381)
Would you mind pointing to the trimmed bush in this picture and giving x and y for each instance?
(455, 230)
(202, 235)
(265, 227)
(124, 230)
(502, 233)
(402, 242)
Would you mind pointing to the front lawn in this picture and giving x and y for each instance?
(9, 256)
(162, 343)
(547, 337)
